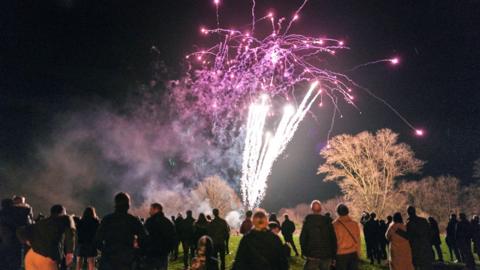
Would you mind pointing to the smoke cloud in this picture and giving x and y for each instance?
(145, 148)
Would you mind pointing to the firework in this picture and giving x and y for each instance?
(224, 79)
(262, 149)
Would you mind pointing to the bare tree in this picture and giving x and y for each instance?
(437, 197)
(470, 200)
(366, 165)
(218, 193)
(296, 214)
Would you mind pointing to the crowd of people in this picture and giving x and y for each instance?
(123, 241)
(419, 240)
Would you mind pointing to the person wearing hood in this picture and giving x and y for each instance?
(318, 241)
(347, 233)
(260, 248)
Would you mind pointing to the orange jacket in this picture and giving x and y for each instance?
(347, 243)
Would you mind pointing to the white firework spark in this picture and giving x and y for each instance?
(262, 149)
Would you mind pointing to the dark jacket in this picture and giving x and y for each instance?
(22, 215)
(476, 233)
(318, 239)
(200, 230)
(464, 231)
(116, 235)
(382, 231)
(288, 228)
(246, 226)
(187, 229)
(371, 230)
(260, 250)
(86, 229)
(161, 236)
(8, 227)
(451, 227)
(419, 236)
(218, 230)
(53, 236)
(435, 238)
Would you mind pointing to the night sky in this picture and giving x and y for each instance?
(57, 56)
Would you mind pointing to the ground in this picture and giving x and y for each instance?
(296, 263)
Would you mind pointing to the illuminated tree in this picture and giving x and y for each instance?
(366, 166)
(470, 200)
(437, 197)
(218, 193)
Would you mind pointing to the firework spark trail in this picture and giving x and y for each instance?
(393, 61)
(261, 150)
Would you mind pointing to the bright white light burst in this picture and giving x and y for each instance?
(262, 148)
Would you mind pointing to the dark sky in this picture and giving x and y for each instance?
(58, 54)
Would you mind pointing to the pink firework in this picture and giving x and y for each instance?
(225, 78)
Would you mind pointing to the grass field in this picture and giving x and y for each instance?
(296, 263)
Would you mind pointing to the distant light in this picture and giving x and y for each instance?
(419, 132)
(216, 2)
(270, 15)
(341, 43)
(395, 60)
(295, 17)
